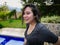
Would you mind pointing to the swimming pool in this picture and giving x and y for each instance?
(11, 40)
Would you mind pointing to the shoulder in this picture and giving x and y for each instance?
(40, 26)
(44, 30)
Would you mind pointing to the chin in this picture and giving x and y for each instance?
(27, 22)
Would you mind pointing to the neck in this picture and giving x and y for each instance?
(33, 23)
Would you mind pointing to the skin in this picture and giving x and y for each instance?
(30, 18)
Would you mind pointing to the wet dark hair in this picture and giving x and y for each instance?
(35, 11)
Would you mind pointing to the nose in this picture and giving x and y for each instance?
(25, 16)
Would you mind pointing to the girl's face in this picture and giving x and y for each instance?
(28, 15)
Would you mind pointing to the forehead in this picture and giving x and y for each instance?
(28, 9)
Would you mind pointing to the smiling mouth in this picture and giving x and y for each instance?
(26, 19)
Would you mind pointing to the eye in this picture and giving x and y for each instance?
(28, 13)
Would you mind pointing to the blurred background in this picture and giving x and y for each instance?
(10, 11)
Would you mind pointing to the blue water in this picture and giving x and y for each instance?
(1, 39)
(14, 42)
(10, 40)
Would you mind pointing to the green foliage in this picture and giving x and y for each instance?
(4, 11)
(52, 19)
(56, 1)
(12, 13)
(50, 10)
(20, 17)
(32, 1)
(18, 23)
(4, 14)
(1, 26)
(4, 8)
(13, 23)
(10, 20)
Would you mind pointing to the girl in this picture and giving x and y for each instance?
(36, 33)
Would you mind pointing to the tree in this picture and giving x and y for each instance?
(12, 13)
(3, 12)
(52, 9)
(57, 2)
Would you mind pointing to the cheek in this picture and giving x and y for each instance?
(31, 17)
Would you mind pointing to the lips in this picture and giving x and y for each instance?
(26, 19)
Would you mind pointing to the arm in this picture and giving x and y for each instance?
(58, 42)
(50, 37)
(25, 41)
